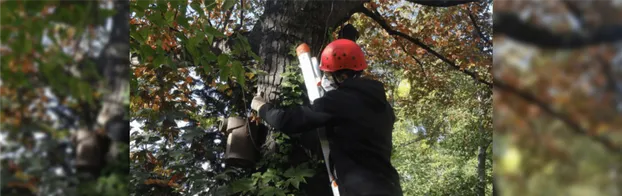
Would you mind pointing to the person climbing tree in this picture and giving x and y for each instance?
(358, 119)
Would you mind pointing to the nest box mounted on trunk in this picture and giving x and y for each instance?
(243, 145)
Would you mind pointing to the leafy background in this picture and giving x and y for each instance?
(557, 99)
(434, 60)
(50, 87)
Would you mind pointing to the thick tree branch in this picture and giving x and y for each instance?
(416, 41)
(441, 3)
(512, 26)
(575, 127)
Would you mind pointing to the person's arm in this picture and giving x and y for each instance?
(295, 119)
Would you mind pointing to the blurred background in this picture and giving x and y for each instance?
(558, 97)
(63, 97)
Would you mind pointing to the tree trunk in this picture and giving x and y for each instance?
(93, 150)
(283, 26)
(114, 62)
(483, 146)
(481, 169)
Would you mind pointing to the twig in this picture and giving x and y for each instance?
(418, 62)
(410, 142)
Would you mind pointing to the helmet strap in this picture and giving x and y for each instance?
(336, 76)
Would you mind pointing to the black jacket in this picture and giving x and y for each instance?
(359, 122)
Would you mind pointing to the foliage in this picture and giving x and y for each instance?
(49, 89)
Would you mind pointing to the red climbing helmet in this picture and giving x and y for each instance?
(342, 54)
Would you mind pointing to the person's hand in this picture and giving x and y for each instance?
(257, 103)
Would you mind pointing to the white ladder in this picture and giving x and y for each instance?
(312, 76)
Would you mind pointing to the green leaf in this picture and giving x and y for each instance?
(169, 62)
(210, 57)
(191, 133)
(228, 4)
(210, 4)
(223, 61)
(210, 39)
(144, 4)
(207, 68)
(156, 19)
(137, 37)
(196, 6)
(209, 30)
(183, 20)
(137, 10)
(159, 60)
(194, 53)
(241, 185)
(293, 181)
(267, 191)
(153, 139)
(238, 71)
(169, 17)
(176, 4)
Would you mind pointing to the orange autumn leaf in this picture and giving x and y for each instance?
(175, 177)
(152, 159)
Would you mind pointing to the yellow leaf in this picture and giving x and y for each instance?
(21, 175)
(250, 75)
(511, 161)
(601, 128)
(403, 88)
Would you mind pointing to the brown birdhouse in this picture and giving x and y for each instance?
(90, 150)
(242, 143)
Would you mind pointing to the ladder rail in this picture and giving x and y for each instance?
(312, 76)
